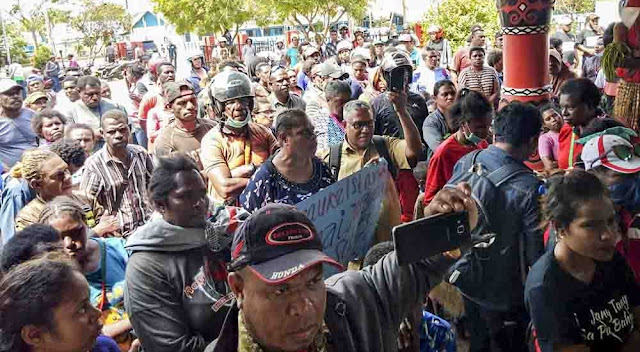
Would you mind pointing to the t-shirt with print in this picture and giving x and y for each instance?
(566, 311)
(222, 149)
(173, 139)
(268, 185)
(116, 265)
(16, 136)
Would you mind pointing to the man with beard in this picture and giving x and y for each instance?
(16, 134)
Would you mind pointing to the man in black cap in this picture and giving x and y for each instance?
(283, 303)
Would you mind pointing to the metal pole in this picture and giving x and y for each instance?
(6, 41)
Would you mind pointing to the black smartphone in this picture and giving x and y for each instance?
(398, 79)
(424, 238)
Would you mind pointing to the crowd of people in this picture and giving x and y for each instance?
(173, 227)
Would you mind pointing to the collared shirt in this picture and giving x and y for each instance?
(352, 161)
(293, 102)
(521, 194)
(331, 49)
(220, 149)
(81, 113)
(16, 135)
(112, 189)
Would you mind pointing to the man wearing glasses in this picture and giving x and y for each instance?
(362, 147)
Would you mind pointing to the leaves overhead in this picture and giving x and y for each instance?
(217, 16)
(99, 22)
(572, 7)
(457, 17)
(205, 17)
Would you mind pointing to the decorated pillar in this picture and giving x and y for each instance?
(525, 28)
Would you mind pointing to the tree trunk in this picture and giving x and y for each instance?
(35, 39)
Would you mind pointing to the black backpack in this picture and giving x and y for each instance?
(335, 154)
(478, 272)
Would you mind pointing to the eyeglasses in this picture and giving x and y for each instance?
(362, 124)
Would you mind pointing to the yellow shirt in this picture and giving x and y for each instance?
(224, 150)
(352, 161)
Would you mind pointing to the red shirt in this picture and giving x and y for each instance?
(442, 163)
(565, 147)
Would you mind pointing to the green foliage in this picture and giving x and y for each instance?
(42, 55)
(99, 22)
(572, 7)
(204, 17)
(16, 43)
(320, 13)
(31, 15)
(457, 17)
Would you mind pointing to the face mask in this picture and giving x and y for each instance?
(472, 138)
(238, 124)
(626, 194)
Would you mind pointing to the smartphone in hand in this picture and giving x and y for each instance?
(424, 238)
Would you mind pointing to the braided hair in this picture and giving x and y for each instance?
(30, 168)
(63, 205)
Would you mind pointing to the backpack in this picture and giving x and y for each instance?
(335, 154)
(478, 272)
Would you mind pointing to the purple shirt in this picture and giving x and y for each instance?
(548, 145)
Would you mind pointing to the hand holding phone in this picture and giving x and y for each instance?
(424, 238)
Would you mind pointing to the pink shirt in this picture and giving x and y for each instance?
(548, 145)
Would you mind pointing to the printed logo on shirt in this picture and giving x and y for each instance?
(213, 287)
(613, 321)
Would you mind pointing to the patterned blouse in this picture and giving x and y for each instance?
(269, 186)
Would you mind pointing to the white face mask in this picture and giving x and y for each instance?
(238, 124)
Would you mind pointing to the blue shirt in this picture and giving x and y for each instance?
(292, 53)
(105, 344)
(519, 223)
(15, 195)
(116, 265)
(16, 136)
(303, 80)
(269, 186)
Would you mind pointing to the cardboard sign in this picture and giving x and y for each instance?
(346, 213)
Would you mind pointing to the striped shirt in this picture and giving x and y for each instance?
(482, 82)
(112, 189)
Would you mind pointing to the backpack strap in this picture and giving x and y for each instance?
(383, 151)
(335, 154)
(505, 173)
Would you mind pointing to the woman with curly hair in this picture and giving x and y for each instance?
(49, 126)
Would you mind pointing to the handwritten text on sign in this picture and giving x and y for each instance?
(346, 213)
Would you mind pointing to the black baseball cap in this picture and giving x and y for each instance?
(276, 243)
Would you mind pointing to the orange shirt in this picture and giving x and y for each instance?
(222, 150)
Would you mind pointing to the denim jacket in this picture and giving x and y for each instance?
(521, 214)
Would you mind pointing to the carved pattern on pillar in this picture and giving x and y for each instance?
(526, 92)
